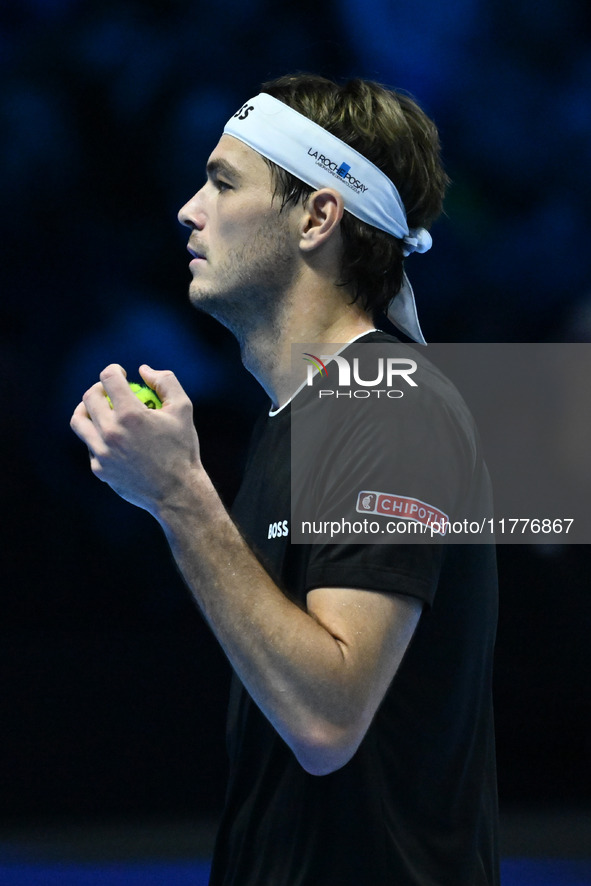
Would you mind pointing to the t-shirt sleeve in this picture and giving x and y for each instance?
(412, 570)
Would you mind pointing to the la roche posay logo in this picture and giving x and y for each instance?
(340, 170)
(379, 377)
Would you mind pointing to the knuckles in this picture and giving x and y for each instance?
(116, 432)
(113, 438)
(95, 389)
(111, 370)
(185, 409)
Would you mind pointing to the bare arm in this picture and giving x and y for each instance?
(317, 674)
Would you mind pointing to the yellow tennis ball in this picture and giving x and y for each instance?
(143, 393)
(146, 395)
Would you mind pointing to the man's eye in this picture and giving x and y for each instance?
(222, 185)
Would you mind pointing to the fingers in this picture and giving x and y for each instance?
(164, 382)
(114, 382)
(84, 428)
(94, 415)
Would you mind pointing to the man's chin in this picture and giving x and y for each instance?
(200, 298)
(218, 305)
(240, 310)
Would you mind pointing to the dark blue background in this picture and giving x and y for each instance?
(113, 691)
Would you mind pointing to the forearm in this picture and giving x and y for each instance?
(319, 673)
(293, 667)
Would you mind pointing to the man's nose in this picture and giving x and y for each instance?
(191, 214)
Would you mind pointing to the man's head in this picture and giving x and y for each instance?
(390, 130)
(371, 132)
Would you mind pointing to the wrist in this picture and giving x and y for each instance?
(195, 502)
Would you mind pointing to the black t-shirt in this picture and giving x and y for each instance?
(416, 805)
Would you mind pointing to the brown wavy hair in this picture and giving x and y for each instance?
(392, 131)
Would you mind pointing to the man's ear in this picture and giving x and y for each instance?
(322, 217)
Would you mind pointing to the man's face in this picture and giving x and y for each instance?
(244, 250)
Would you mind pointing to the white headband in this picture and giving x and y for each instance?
(320, 159)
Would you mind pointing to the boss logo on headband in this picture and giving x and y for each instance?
(244, 111)
(339, 171)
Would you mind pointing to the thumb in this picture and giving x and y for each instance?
(164, 382)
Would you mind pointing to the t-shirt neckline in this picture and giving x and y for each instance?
(274, 412)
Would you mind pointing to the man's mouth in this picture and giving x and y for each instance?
(196, 252)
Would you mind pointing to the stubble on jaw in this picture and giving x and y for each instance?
(251, 286)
